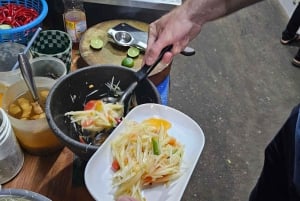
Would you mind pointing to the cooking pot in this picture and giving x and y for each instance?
(72, 91)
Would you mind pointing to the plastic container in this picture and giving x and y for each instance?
(8, 57)
(53, 43)
(50, 67)
(11, 155)
(24, 33)
(21, 195)
(3, 88)
(74, 19)
(34, 136)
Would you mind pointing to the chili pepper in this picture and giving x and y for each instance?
(17, 15)
(155, 146)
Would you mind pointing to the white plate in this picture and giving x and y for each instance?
(98, 173)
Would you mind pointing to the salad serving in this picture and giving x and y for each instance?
(96, 120)
(144, 154)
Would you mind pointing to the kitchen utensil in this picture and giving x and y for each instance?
(125, 35)
(28, 78)
(21, 194)
(68, 94)
(22, 34)
(140, 75)
(36, 33)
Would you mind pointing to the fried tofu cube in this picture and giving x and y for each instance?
(44, 94)
(14, 109)
(26, 107)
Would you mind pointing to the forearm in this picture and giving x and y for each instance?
(184, 23)
(202, 11)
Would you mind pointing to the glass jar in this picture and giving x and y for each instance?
(75, 20)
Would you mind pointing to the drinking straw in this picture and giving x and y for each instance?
(36, 33)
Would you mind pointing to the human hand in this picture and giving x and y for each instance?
(175, 28)
(126, 198)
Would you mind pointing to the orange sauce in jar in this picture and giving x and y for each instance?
(1, 97)
(38, 143)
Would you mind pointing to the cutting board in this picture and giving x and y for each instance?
(111, 53)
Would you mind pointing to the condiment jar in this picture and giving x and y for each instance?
(75, 20)
(11, 155)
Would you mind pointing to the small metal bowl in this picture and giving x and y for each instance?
(123, 38)
(21, 194)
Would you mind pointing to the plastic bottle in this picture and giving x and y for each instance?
(75, 20)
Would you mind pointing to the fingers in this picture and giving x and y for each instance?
(152, 34)
(167, 59)
(163, 32)
(154, 46)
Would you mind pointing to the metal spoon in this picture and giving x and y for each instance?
(29, 80)
(140, 76)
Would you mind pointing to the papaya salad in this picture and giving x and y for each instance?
(144, 154)
(96, 120)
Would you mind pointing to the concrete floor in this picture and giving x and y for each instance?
(240, 87)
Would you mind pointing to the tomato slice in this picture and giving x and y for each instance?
(87, 123)
(94, 105)
(90, 105)
(115, 165)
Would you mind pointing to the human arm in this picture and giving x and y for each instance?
(184, 23)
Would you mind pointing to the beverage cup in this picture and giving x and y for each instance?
(53, 43)
(51, 67)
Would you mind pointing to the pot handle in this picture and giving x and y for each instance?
(146, 69)
(188, 51)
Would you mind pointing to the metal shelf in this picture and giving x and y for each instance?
(150, 4)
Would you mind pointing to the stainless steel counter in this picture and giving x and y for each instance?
(150, 4)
